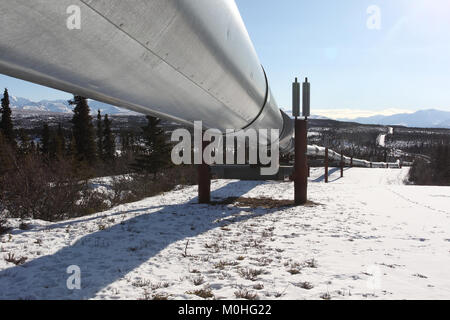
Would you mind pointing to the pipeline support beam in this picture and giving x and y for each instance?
(301, 162)
(204, 179)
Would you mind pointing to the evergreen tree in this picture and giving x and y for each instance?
(45, 148)
(124, 141)
(58, 144)
(109, 145)
(26, 145)
(7, 155)
(6, 124)
(72, 149)
(83, 130)
(155, 153)
(440, 163)
(99, 135)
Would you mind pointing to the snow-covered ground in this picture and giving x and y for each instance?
(366, 236)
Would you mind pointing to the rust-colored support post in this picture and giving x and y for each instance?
(342, 165)
(204, 179)
(301, 162)
(326, 165)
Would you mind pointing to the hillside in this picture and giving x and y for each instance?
(420, 119)
(62, 106)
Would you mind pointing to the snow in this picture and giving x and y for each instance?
(366, 236)
(381, 140)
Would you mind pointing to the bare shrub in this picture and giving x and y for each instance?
(222, 264)
(160, 296)
(3, 227)
(258, 286)
(55, 190)
(141, 283)
(17, 261)
(41, 190)
(198, 281)
(294, 271)
(136, 187)
(304, 285)
(325, 296)
(245, 294)
(156, 296)
(250, 274)
(204, 293)
(159, 285)
(311, 263)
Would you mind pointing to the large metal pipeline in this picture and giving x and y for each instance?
(316, 151)
(183, 60)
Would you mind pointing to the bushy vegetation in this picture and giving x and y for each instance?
(434, 172)
(49, 177)
(359, 141)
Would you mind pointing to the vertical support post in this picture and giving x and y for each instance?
(371, 165)
(204, 179)
(301, 162)
(351, 162)
(326, 165)
(309, 171)
(342, 165)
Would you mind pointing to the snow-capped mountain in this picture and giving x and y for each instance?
(63, 106)
(313, 116)
(421, 119)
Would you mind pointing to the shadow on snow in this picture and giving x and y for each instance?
(106, 256)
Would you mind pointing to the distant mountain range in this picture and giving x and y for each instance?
(313, 116)
(62, 106)
(420, 119)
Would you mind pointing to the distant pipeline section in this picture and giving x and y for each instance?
(317, 151)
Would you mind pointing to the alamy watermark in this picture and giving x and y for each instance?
(374, 19)
(244, 147)
(73, 22)
(74, 280)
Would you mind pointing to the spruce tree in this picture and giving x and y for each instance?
(7, 156)
(124, 141)
(45, 148)
(58, 144)
(109, 145)
(99, 135)
(83, 130)
(26, 145)
(155, 153)
(72, 148)
(6, 124)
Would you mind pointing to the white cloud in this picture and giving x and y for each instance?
(355, 113)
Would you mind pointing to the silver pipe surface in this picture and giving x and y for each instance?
(182, 60)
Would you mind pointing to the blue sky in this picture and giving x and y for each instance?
(354, 70)
(404, 65)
